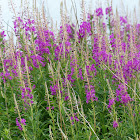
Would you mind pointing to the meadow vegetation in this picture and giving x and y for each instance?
(80, 82)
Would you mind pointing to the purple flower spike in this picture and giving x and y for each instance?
(66, 98)
(47, 108)
(108, 10)
(99, 12)
(115, 124)
(23, 121)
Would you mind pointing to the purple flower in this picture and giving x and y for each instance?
(47, 108)
(54, 89)
(7, 74)
(34, 87)
(80, 74)
(10, 78)
(68, 43)
(22, 95)
(115, 124)
(23, 121)
(18, 124)
(31, 102)
(71, 118)
(121, 95)
(123, 20)
(66, 98)
(85, 28)
(125, 98)
(2, 34)
(76, 118)
(99, 12)
(90, 95)
(108, 10)
(30, 68)
(111, 102)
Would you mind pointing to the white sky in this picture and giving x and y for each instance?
(54, 7)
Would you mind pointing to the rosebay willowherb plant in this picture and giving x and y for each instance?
(81, 82)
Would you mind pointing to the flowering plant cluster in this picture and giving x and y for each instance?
(47, 77)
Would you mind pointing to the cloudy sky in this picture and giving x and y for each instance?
(53, 7)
